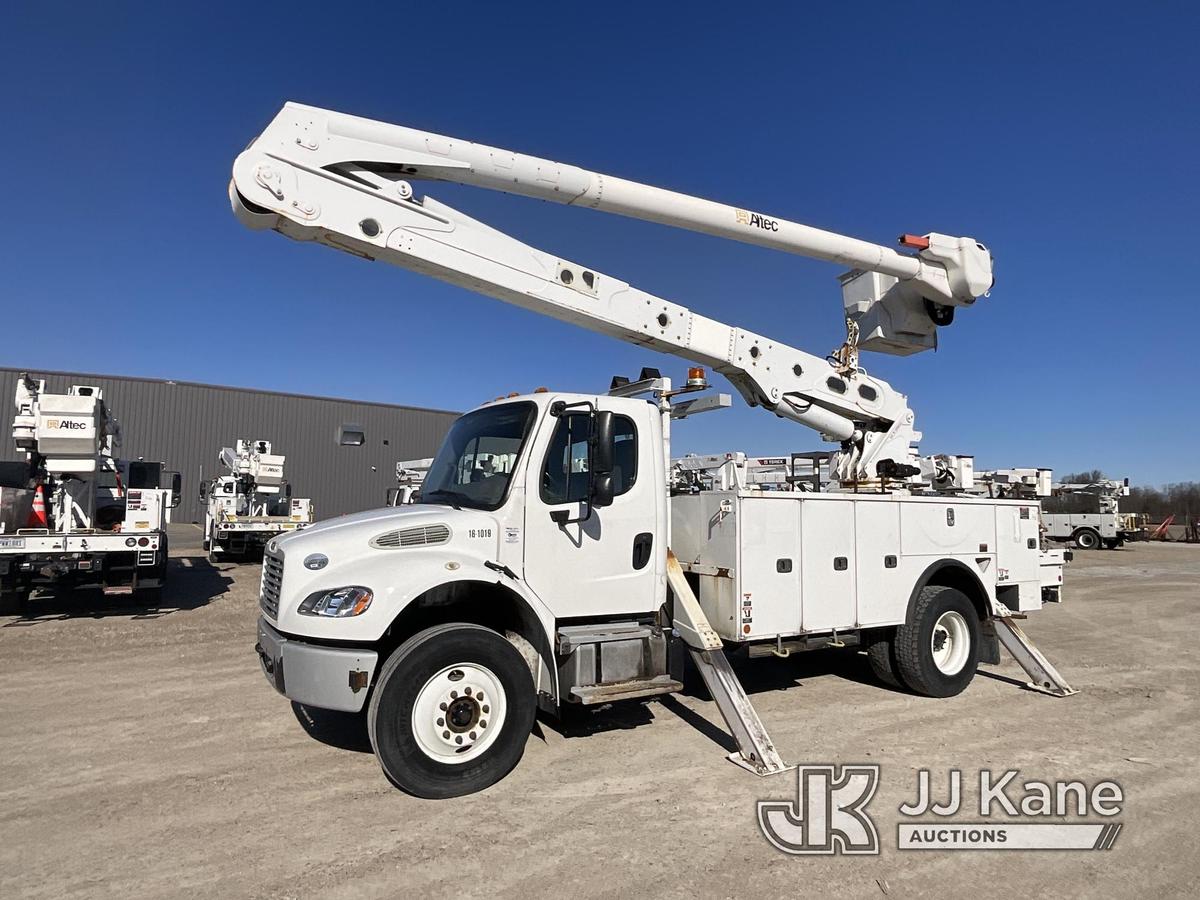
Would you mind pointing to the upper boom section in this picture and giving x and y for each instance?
(343, 181)
(947, 271)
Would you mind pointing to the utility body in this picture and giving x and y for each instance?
(556, 556)
(74, 513)
(249, 504)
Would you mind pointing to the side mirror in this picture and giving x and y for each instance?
(602, 443)
(176, 488)
(393, 497)
(203, 489)
(602, 490)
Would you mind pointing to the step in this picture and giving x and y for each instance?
(592, 694)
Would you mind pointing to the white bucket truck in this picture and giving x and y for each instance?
(410, 475)
(250, 504)
(546, 562)
(74, 514)
(1088, 515)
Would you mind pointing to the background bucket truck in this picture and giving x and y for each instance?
(547, 563)
(250, 504)
(1089, 516)
(410, 475)
(73, 513)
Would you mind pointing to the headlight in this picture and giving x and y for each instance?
(338, 603)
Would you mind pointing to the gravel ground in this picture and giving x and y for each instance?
(146, 756)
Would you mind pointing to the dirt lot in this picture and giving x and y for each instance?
(145, 755)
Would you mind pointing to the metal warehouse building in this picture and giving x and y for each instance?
(341, 453)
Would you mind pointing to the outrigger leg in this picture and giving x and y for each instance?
(755, 752)
(1045, 677)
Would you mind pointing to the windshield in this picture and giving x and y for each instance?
(476, 461)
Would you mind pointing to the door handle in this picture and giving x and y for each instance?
(642, 545)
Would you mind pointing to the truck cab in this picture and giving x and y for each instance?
(537, 511)
(512, 499)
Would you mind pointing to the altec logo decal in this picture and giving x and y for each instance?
(758, 220)
(65, 424)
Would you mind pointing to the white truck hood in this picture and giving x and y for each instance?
(393, 551)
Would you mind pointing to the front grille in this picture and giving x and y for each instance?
(417, 536)
(272, 584)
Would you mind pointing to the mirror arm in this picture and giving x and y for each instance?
(561, 517)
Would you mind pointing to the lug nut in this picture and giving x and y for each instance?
(483, 723)
(486, 709)
(441, 722)
(472, 735)
(442, 707)
(446, 735)
(454, 695)
(458, 740)
(467, 691)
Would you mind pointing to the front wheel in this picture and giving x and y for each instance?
(451, 711)
(1086, 539)
(937, 653)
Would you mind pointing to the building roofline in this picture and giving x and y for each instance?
(33, 371)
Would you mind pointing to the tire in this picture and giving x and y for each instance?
(160, 570)
(462, 661)
(881, 653)
(1086, 539)
(15, 602)
(937, 653)
(149, 596)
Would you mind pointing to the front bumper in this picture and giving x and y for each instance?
(314, 675)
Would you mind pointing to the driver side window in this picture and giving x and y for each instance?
(566, 473)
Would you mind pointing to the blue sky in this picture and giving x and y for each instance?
(1064, 136)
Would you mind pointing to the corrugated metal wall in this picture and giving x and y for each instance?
(185, 425)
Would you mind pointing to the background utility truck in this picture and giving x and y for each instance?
(250, 504)
(1088, 515)
(546, 563)
(73, 513)
(410, 475)
(1083, 513)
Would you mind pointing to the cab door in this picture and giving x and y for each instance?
(601, 561)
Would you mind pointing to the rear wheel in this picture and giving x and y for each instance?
(1086, 539)
(16, 601)
(881, 653)
(451, 711)
(937, 653)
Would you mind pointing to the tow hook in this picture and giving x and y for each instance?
(267, 662)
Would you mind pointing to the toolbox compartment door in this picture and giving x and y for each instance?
(882, 593)
(827, 568)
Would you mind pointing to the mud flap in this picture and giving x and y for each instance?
(989, 644)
